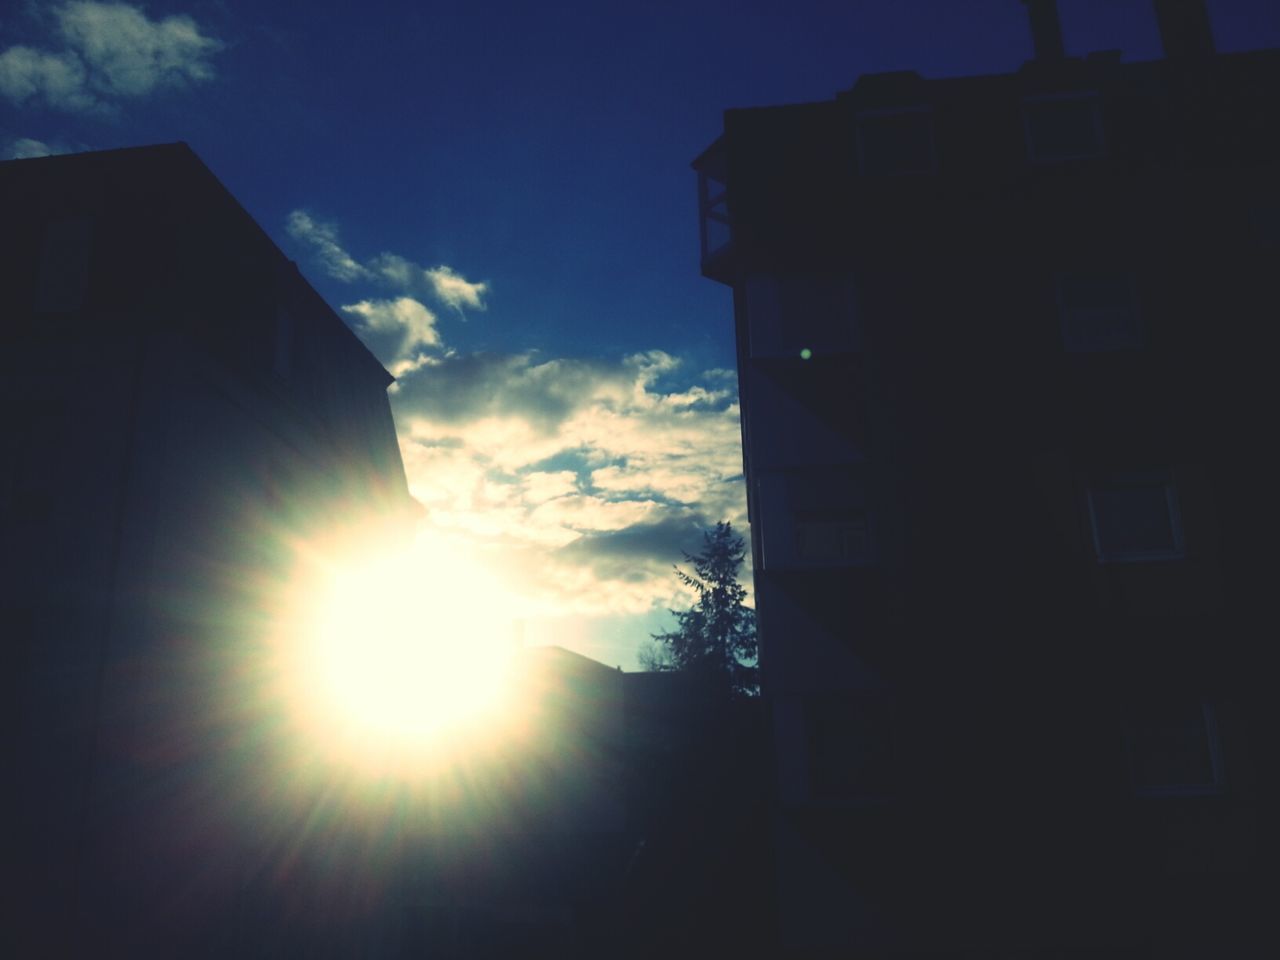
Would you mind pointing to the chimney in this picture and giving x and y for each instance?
(1184, 28)
(1046, 29)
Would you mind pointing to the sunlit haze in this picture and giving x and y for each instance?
(394, 652)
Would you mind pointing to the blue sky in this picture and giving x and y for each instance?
(497, 198)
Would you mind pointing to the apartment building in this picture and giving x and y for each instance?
(1004, 407)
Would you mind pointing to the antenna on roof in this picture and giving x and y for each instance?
(1046, 29)
(1184, 28)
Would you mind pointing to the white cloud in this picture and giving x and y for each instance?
(588, 476)
(403, 317)
(672, 480)
(594, 513)
(541, 486)
(112, 51)
(131, 55)
(454, 290)
(323, 240)
(24, 148)
(37, 77)
(396, 271)
(637, 470)
(409, 364)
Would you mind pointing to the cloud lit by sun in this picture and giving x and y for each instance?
(585, 477)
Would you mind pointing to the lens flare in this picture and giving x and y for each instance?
(399, 656)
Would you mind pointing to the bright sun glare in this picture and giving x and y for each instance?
(399, 649)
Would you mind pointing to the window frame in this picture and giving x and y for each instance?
(1028, 103)
(1213, 741)
(779, 518)
(1063, 276)
(846, 528)
(778, 330)
(1099, 480)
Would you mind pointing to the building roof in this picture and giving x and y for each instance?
(167, 221)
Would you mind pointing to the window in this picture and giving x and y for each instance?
(814, 518)
(1174, 748)
(896, 142)
(1098, 312)
(1134, 516)
(1063, 128)
(800, 315)
(833, 538)
(849, 745)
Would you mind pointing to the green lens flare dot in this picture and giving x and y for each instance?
(806, 353)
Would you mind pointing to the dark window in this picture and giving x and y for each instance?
(1135, 516)
(835, 537)
(816, 517)
(1174, 747)
(1098, 312)
(900, 142)
(800, 316)
(850, 745)
(1063, 128)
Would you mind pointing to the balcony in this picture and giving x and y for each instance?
(715, 228)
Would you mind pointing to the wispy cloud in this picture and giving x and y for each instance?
(396, 271)
(40, 78)
(322, 238)
(23, 148)
(129, 54)
(454, 290)
(411, 323)
(107, 52)
(390, 271)
(401, 330)
(539, 486)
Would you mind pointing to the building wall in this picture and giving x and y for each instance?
(171, 441)
(966, 681)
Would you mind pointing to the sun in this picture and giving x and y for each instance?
(399, 653)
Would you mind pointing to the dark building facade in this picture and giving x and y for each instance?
(180, 408)
(1003, 406)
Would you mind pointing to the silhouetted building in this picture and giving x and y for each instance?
(623, 819)
(1005, 403)
(519, 846)
(180, 407)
